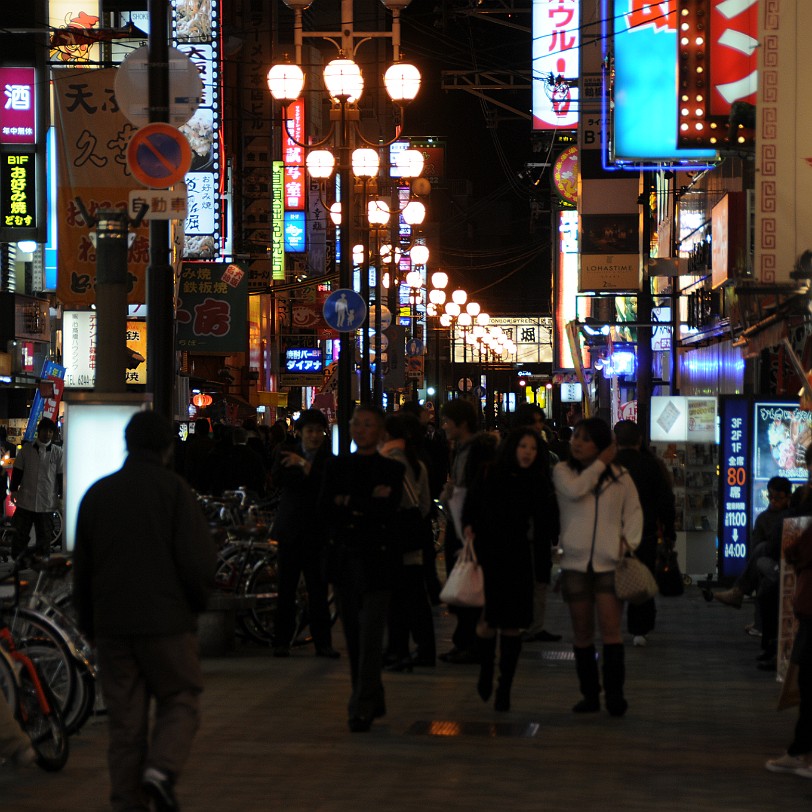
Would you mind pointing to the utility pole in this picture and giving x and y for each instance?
(160, 277)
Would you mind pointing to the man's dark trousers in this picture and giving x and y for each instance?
(131, 670)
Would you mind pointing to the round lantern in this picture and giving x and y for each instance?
(201, 401)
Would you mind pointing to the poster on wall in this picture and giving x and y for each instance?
(782, 433)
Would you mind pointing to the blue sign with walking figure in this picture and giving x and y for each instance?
(344, 310)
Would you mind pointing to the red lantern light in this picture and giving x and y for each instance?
(201, 401)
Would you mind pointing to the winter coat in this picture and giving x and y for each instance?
(595, 513)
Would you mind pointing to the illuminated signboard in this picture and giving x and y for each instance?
(678, 419)
(303, 359)
(196, 33)
(556, 42)
(278, 222)
(18, 209)
(18, 121)
(79, 337)
(295, 231)
(759, 440)
(568, 305)
(293, 154)
(645, 100)
(734, 519)
(718, 49)
(212, 307)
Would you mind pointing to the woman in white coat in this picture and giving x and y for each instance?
(598, 507)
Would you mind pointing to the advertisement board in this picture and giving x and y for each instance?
(646, 100)
(18, 108)
(680, 419)
(759, 439)
(556, 41)
(212, 307)
(79, 349)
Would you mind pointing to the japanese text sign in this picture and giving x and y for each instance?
(92, 138)
(556, 42)
(18, 196)
(18, 106)
(295, 180)
(303, 359)
(212, 307)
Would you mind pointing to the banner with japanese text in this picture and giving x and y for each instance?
(92, 138)
(212, 309)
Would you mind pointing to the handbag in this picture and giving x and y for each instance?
(668, 575)
(633, 579)
(465, 584)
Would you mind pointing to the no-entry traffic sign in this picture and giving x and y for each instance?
(159, 155)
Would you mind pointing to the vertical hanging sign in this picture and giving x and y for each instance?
(196, 33)
(18, 122)
(293, 131)
(278, 222)
(556, 39)
(734, 505)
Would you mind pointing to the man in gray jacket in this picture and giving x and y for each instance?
(143, 565)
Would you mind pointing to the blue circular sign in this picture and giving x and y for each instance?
(344, 310)
(415, 347)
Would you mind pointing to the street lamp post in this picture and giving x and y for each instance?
(344, 83)
(437, 296)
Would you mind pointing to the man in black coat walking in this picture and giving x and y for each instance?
(143, 565)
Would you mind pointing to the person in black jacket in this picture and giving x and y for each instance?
(298, 469)
(361, 494)
(509, 507)
(143, 566)
(657, 500)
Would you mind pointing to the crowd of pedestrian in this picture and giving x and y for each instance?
(362, 523)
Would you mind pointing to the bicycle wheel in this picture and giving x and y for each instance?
(57, 524)
(51, 652)
(44, 727)
(263, 587)
(82, 705)
(8, 679)
(75, 707)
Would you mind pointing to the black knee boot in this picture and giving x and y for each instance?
(486, 646)
(509, 650)
(586, 667)
(614, 675)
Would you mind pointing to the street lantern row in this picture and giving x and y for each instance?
(344, 83)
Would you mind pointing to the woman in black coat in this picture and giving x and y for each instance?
(504, 513)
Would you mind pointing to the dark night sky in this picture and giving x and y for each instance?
(491, 158)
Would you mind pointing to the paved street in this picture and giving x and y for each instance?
(701, 723)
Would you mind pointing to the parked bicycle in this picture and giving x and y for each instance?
(248, 566)
(49, 635)
(28, 692)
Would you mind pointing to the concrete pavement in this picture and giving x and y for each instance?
(701, 723)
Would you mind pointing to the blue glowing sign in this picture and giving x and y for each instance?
(303, 359)
(294, 232)
(734, 505)
(645, 88)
